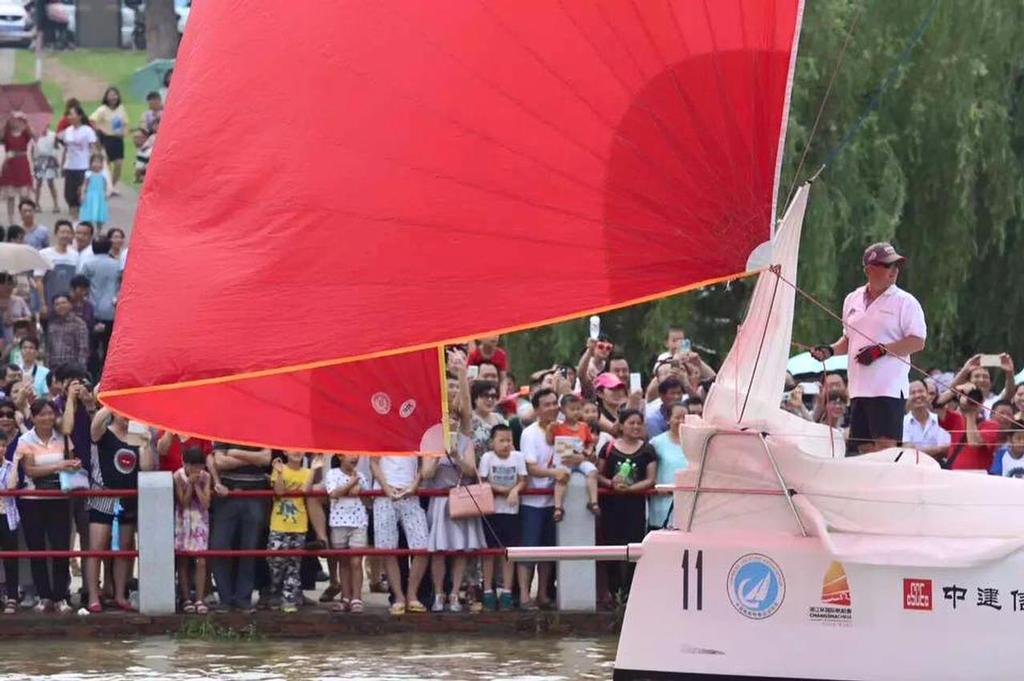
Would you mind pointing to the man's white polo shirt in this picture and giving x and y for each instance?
(890, 317)
(930, 434)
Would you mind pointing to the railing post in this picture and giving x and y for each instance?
(577, 579)
(156, 543)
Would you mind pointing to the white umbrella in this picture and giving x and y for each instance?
(805, 364)
(16, 258)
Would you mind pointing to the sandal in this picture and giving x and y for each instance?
(558, 514)
(95, 608)
(416, 606)
(126, 606)
(397, 609)
(339, 607)
(594, 508)
(356, 606)
(330, 593)
(188, 608)
(201, 608)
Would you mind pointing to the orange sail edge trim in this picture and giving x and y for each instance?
(246, 375)
(264, 445)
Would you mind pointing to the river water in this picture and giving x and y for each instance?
(384, 658)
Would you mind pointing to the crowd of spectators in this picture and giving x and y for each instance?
(957, 418)
(580, 418)
(593, 417)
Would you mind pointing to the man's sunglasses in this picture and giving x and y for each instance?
(7, 413)
(490, 396)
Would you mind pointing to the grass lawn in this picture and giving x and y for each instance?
(114, 67)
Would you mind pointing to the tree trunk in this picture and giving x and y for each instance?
(161, 29)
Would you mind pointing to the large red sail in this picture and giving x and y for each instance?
(339, 187)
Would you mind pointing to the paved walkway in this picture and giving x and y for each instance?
(6, 65)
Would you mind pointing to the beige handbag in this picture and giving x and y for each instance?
(470, 501)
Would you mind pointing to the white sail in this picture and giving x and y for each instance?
(749, 386)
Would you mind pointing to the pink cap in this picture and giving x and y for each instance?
(608, 381)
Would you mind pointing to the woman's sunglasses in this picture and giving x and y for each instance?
(6, 413)
(605, 346)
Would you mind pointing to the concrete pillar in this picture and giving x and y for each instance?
(156, 543)
(577, 586)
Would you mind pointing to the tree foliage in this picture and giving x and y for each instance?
(938, 169)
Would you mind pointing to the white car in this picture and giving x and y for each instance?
(16, 27)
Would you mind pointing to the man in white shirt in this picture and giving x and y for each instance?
(921, 429)
(537, 511)
(84, 233)
(882, 326)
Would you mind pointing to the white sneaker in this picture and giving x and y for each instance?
(42, 605)
(63, 607)
(438, 605)
(453, 603)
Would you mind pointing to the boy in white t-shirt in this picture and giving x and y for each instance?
(505, 470)
(349, 522)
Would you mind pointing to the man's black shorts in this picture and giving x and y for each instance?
(872, 418)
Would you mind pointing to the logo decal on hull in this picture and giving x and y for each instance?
(917, 594)
(836, 601)
(756, 586)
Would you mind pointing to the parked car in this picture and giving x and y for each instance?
(16, 27)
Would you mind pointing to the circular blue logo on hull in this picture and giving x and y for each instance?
(756, 586)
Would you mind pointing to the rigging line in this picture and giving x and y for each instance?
(876, 96)
(824, 101)
(817, 303)
(777, 270)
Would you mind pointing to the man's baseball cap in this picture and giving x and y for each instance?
(881, 253)
(608, 381)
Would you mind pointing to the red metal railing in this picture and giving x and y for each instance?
(264, 553)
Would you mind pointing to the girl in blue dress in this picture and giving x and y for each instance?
(94, 194)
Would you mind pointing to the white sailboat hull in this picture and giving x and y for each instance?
(899, 622)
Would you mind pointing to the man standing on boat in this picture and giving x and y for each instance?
(882, 326)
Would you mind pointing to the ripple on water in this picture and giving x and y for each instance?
(450, 657)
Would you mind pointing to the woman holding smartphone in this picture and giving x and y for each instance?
(45, 452)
